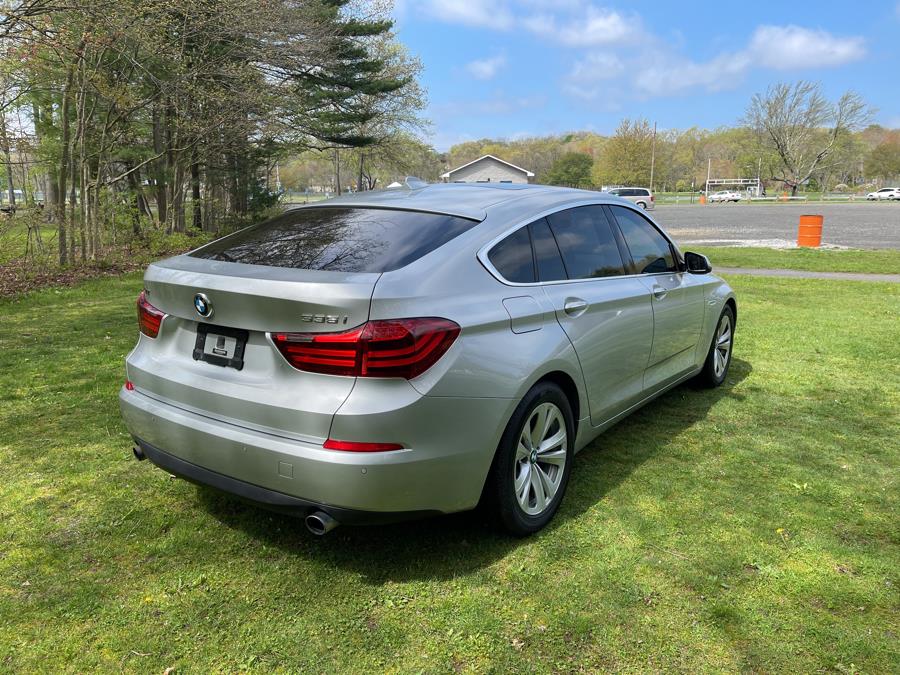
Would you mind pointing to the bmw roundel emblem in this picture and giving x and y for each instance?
(203, 305)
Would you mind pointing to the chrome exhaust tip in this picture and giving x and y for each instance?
(138, 453)
(320, 523)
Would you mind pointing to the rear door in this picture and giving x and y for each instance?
(606, 315)
(677, 298)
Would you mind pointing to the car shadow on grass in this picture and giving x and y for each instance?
(447, 546)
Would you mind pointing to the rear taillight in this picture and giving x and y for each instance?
(354, 446)
(385, 348)
(652, 198)
(149, 318)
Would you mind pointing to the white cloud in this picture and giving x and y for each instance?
(790, 47)
(658, 70)
(661, 74)
(486, 69)
(595, 26)
(470, 13)
(597, 66)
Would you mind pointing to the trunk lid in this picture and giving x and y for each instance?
(266, 393)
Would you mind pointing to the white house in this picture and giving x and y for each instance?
(488, 169)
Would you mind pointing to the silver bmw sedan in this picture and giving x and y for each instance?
(417, 351)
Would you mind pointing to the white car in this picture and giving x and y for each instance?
(724, 196)
(884, 193)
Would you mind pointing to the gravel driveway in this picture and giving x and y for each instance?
(858, 225)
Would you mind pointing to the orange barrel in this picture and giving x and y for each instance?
(702, 199)
(810, 232)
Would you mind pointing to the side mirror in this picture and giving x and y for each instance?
(697, 263)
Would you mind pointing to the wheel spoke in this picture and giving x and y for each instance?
(523, 485)
(540, 497)
(724, 339)
(548, 485)
(538, 420)
(557, 457)
(523, 449)
(554, 441)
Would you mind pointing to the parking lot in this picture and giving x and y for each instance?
(861, 225)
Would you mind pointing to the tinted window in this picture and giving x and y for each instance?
(586, 242)
(546, 252)
(649, 249)
(512, 257)
(338, 239)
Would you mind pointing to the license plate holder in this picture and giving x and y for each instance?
(220, 345)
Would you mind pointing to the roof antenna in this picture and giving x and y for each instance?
(414, 183)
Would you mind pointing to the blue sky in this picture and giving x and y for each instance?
(507, 69)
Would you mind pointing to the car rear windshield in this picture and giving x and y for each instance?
(339, 239)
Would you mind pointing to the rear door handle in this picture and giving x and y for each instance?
(659, 292)
(575, 306)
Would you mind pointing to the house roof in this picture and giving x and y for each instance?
(518, 168)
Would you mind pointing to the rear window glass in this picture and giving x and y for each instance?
(513, 258)
(338, 239)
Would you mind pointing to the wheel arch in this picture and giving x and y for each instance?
(565, 382)
(730, 302)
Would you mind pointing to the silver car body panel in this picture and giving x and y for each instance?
(266, 424)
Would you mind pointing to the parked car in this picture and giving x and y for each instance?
(637, 195)
(724, 196)
(884, 193)
(419, 351)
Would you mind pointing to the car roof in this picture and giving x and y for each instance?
(468, 200)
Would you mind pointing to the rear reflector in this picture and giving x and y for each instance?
(129, 385)
(384, 348)
(149, 318)
(352, 446)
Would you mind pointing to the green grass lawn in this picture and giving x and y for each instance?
(882, 261)
(754, 527)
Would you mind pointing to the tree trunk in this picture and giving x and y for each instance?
(7, 154)
(64, 168)
(160, 168)
(337, 172)
(359, 181)
(178, 199)
(196, 204)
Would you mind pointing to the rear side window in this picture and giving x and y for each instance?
(546, 253)
(649, 249)
(513, 258)
(339, 239)
(586, 242)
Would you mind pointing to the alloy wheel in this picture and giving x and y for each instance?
(722, 346)
(540, 458)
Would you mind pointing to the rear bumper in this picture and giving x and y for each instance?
(276, 501)
(450, 445)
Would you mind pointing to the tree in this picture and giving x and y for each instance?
(572, 169)
(884, 160)
(800, 124)
(626, 156)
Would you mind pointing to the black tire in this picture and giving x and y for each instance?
(501, 500)
(643, 205)
(713, 374)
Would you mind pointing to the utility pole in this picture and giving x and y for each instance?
(652, 156)
(708, 174)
